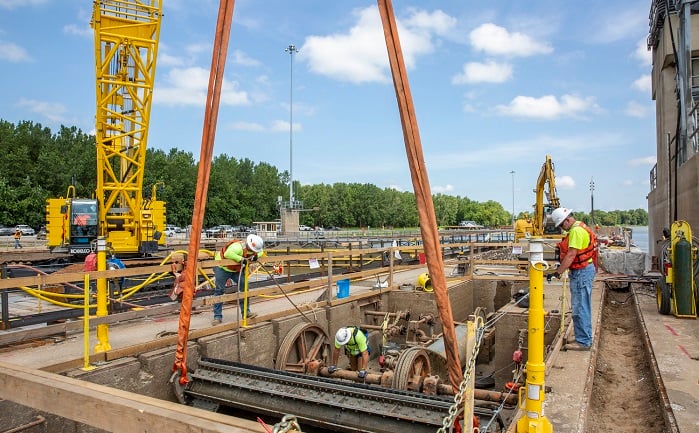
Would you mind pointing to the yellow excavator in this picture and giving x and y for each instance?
(126, 44)
(540, 223)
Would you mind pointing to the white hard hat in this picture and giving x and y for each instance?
(342, 336)
(255, 243)
(559, 215)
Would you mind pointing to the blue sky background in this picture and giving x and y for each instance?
(496, 85)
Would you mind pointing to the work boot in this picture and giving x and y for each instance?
(251, 315)
(216, 322)
(576, 346)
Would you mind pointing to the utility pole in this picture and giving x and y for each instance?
(592, 201)
(291, 49)
(513, 198)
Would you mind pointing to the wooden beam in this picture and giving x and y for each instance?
(110, 409)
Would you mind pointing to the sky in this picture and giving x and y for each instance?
(496, 86)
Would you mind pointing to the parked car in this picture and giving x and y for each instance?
(170, 231)
(221, 231)
(25, 229)
(304, 228)
(333, 228)
(6, 231)
(42, 233)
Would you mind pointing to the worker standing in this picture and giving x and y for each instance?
(356, 348)
(228, 276)
(578, 252)
(18, 236)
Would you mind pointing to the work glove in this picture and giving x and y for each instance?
(552, 275)
(332, 369)
(361, 374)
(253, 258)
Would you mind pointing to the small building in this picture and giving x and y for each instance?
(268, 229)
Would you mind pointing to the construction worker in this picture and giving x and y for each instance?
(578, 253)
(228, 276)
(356, 348)
(18, 236)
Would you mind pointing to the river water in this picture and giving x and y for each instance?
(639, 235)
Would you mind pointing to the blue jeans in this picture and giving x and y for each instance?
(223, 277)
(581, 299)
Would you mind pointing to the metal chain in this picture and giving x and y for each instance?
(288, 424)
(448, 421)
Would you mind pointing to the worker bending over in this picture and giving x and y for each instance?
(228, 276)
(356, 348)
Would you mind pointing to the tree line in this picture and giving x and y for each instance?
(38, 164)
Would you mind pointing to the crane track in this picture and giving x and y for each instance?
(327, 403)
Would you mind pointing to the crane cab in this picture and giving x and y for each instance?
(71, 225)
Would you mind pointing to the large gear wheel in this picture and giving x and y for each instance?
(304, 343)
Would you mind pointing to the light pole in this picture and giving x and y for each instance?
(513, 197)
(291, 49)
(592, 200)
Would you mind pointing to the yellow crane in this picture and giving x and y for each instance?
(126, 44)
(540, 224)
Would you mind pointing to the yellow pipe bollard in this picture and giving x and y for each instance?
(86, 325)
(246, 275)
(531, 396)
(103, 329)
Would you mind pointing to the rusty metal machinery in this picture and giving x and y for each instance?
(407, 391)
(327, 403)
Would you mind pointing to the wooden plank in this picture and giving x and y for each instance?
(110, 409)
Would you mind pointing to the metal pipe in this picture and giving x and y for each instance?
(38, 421)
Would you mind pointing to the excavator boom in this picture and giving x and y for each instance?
(546, 201)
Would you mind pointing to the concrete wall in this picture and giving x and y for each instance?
(661, 202)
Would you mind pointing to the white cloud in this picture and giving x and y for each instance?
(548, 107)
(642, 53)
(11, 4)
(646, 160)
(53, 111)
(189, 87)
(615, 25)
(13, 52)
(437, 21)
(283, 126)
(195, 49)
(165, 59)
(644, 84)
(489, 72)
(359, 55)
(82, 31)
(442, 189)
(634, 109)
(240, 58)
(496, 40)
(246, 126)
(565, 182)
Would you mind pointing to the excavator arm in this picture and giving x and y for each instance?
(545, 188)
(546, 201)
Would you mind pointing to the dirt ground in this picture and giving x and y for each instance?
(624, 397)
